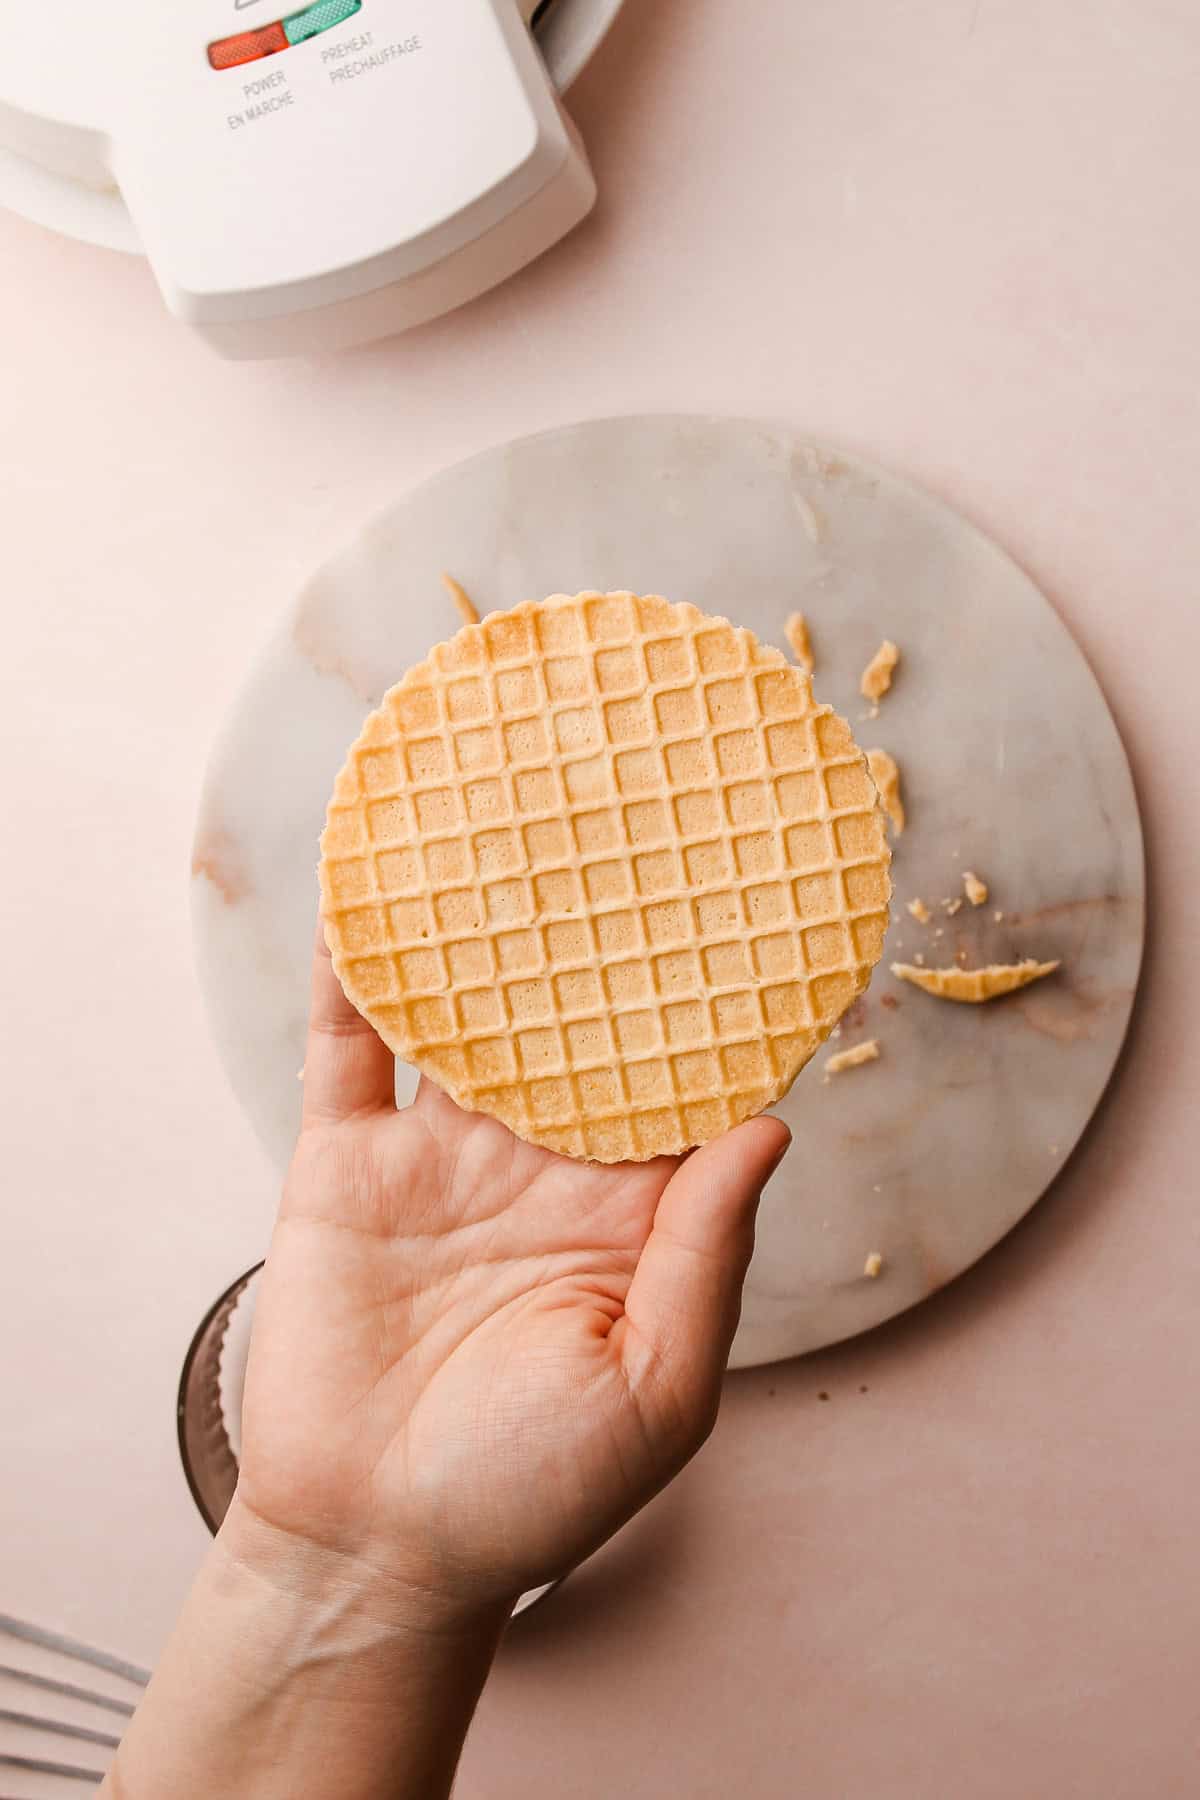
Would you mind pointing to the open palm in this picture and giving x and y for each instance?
(473, 1359)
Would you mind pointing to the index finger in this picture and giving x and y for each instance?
(348, 1069)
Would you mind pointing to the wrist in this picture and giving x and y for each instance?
(299, 1669)
(353, 1591)
(375, 1599)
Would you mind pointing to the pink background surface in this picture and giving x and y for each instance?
(960, 237)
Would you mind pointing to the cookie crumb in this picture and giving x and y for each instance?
(998, 917)
(877, 676)
(952, 906)
(300, 1073)
(867, 1051)
(886, 777)
(461, 599)
(919, 960)
(890, 1001)
(873, 1267)
(976, 890)
(920, 911)
(796, 632)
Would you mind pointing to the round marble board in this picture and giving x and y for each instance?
(1011, 766)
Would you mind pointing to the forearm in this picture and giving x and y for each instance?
(291, 1676)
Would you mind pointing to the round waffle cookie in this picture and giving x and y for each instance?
(602, 868)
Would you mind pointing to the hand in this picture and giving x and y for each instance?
(474, 1359)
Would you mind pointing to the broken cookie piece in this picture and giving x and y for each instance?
(877, 676)
(974, 985)
(795, 630)
(886, 777)
(457, 592)
(975, 890)
(867, 1051)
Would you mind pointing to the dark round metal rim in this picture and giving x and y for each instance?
(193, 1350)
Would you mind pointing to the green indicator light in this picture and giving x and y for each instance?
(316, 19)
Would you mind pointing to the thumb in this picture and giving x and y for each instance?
(683, 1303)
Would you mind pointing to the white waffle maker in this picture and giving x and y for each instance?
(301, 177)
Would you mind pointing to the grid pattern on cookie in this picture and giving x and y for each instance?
(602, 868)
